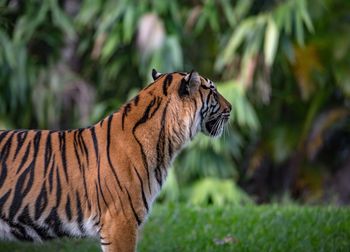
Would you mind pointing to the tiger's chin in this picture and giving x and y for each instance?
(214, 128)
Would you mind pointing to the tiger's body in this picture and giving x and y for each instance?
(102, 180)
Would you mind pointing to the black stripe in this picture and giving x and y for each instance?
(145, 116)
(3, 135)
(142, 191)
(3, 199)
(79, 212)
(126, 111)
(203, 105)
(82, 145)
(136, 100)
(148, 114)
(85, 189)
(161, 148)
(41, 202)
(75, 146)
(166, 83)
(24, 158)
(170, 149)
(183, 89)
(63, 149)
(190, 127)
(54, 221)
(68, 209)
(21, 137)
(158, 102)
(48, 153)
(94, 138)
(5, 151)
(37, 138)
(108, 151)
(3, 173)
(133, 209)
(204, 86)
(145, 163)
(58, 188)
(98, 201)
(100, 186)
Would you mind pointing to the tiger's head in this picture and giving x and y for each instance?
(209, 109)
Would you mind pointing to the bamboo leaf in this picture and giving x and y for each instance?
(235, 41)
(128, 24)
(61, 19)
(111, 13)
(110, 46)
(271, 41)
(89, 10)
(8, 49)
(242, 7)
(299, 28)
(229, 12)
(305, 16)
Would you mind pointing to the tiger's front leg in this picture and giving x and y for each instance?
(118, 235)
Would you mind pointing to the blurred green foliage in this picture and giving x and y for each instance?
(283, 64)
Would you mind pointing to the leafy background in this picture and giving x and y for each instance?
(283, 64)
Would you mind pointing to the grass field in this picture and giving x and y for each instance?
(262, 228)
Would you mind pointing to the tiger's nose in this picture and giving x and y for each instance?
(228, 108)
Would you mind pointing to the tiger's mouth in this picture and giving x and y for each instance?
(214, 127)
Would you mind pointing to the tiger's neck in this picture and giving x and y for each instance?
(157, 132)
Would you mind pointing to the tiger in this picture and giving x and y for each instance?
(101, 181)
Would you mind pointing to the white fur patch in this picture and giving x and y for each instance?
(5, 231)
(72, 228)
(90, 229)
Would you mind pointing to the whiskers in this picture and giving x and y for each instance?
(218, 127)
(223, 126)
(227, 132)
(218, 124)
(214, 130)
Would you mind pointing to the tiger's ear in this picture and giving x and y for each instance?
(155, 74)
(193, 82)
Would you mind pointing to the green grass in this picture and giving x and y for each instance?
(263, 228)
